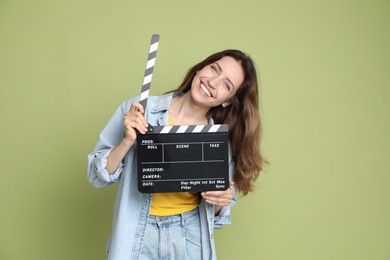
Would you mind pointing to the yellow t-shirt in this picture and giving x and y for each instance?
(171, 203)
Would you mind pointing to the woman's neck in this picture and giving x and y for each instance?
(183, 111)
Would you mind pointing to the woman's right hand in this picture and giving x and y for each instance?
(134, 120)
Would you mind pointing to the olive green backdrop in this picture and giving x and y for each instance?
(325, 88)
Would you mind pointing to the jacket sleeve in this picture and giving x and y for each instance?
(111, 135)
(223, 216)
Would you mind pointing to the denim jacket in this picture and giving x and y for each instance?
(131, 209)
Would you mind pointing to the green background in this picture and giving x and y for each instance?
(65, 66)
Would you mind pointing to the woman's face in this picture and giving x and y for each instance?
(217, 82)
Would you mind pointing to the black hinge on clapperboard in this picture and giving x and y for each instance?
(182, 158)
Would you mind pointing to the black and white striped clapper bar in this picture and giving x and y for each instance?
(190, 158)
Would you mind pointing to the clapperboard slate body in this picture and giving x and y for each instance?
(183, 159)
(180, 158)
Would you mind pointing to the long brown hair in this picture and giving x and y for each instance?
(242, 116)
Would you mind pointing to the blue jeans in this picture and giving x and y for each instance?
(175, 237)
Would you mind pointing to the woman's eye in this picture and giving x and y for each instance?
(228, 87)
(214, 68)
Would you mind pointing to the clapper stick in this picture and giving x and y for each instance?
(149, 72)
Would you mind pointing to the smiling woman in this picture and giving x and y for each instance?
(221, 89)
(218, 82)
(240, 110)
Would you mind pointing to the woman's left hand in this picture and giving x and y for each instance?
(219, 198)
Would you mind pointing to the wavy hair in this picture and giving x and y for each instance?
(242, 116)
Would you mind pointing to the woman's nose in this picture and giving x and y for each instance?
(213, 82)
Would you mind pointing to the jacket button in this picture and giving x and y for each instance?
(209, 207)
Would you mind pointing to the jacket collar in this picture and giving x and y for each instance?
(162, 103)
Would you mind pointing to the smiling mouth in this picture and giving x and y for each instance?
(205, 90)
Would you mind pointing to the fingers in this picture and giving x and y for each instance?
(135, 120)
(219, 198)
(136, 107)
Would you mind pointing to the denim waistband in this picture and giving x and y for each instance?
(178, 218)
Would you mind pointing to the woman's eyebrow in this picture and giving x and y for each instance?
(220, 69)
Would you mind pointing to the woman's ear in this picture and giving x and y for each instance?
(225, 104)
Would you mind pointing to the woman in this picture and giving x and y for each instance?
(220, 89)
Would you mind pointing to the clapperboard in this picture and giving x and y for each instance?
(190, 158)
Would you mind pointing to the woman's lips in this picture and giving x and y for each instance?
(204, 90)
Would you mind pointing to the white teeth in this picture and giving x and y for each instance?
(205, 90)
